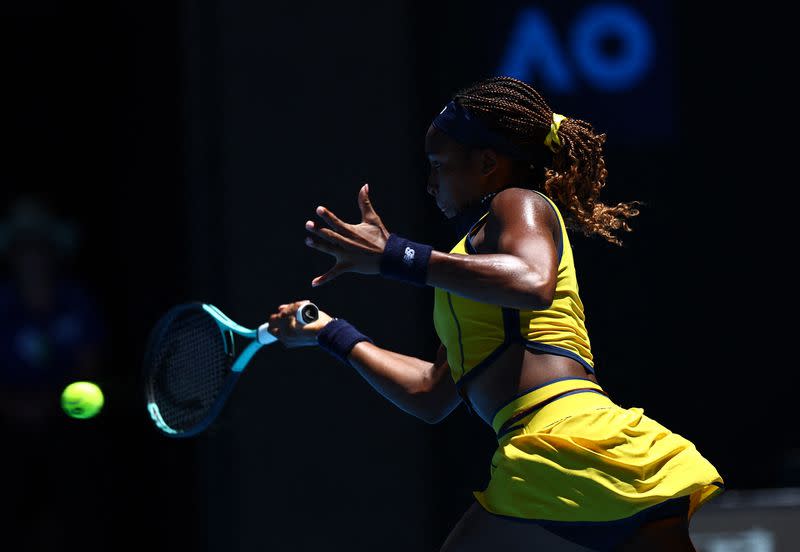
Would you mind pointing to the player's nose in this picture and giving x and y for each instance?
(432, 189)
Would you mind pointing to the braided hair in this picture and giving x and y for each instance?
(576, 171)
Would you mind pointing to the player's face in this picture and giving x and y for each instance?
(454, 178)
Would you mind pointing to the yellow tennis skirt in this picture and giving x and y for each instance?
(568, 453)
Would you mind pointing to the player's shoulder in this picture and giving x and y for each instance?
(521, 204)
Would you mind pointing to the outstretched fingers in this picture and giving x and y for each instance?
(328, 276)
(332, 220)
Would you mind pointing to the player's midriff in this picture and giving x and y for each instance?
(516, 370)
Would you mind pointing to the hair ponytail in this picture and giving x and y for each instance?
(577, 173)
(577, 176)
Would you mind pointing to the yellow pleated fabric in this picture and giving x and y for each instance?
(581, 457)
(566, 452)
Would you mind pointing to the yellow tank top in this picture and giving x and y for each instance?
(476, 333)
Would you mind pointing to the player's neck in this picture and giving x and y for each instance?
(469, 214)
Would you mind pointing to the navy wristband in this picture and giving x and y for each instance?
(405, 260)
(338, 337)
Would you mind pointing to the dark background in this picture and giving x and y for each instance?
(192, 143)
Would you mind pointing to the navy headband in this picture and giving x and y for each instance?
(463, 127)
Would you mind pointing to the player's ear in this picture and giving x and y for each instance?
(488, 161)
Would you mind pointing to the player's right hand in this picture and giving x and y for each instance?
(283, 324)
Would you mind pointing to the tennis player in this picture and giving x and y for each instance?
(572, 470)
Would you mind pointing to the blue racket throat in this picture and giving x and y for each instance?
(226, 323)
(191, 365)
(263, 337)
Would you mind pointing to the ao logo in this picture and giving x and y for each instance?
(535, 53)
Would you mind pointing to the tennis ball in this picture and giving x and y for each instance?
(82, 399)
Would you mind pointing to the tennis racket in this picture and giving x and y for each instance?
(191, 364)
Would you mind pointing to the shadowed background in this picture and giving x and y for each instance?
(191, 147)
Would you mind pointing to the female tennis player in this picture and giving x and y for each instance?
(572, 470)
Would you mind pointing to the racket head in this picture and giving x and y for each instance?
(187, 368)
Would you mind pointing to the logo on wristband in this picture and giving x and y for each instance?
(408, 258)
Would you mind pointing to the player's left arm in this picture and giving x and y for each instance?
(523, 272)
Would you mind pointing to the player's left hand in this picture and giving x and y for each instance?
(357, 247)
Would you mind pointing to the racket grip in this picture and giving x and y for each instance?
(307, 313)
(263, 336)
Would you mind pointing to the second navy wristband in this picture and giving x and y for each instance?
(338, 337)
(405, 260)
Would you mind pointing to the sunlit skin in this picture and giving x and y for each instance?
(516, 266)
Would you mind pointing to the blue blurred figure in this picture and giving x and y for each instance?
(50, 335)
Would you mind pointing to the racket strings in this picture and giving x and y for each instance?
(189, 368)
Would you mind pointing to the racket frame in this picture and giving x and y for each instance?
(259, 337)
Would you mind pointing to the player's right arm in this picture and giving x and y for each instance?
(421, 388)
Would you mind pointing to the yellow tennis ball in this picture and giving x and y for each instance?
(82, 399)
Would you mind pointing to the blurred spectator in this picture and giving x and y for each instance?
(51, 334)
